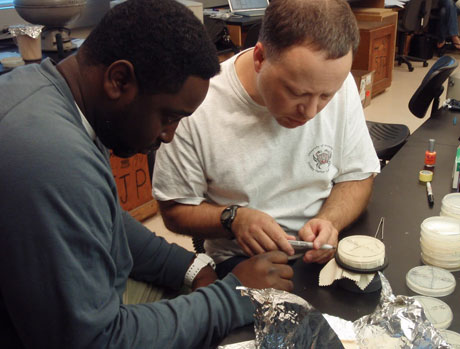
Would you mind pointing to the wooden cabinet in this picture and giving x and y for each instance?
(367, 3)
(376, 52)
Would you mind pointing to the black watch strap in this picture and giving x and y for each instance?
(227, 217)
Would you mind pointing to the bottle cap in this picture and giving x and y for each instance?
(436, 311)
(430, 281)
(431, 145)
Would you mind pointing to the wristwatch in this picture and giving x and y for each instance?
(227, 217)
(201, 260)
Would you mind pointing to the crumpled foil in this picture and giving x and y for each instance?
(284, 320)
(398, 322)
(33, 31)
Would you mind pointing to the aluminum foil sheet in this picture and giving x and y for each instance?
(398, 322)
(241, 345)
(33, 31)
(284, 320)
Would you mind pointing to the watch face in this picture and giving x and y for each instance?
(226, 214)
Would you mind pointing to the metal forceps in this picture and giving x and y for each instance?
(380, 228)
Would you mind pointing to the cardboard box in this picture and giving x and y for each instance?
(364, 80)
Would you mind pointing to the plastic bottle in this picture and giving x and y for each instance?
(430, 155)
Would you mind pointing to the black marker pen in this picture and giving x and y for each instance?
(429, 193)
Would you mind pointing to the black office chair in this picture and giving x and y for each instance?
(252, 35)
(389, 138)
(432, 87)
(414, 19)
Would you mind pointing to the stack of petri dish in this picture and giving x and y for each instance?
(450, 206)
(440, 242)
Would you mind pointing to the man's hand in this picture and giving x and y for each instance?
(205, 277)
(321, 232)
(257, 232)
(267, 270)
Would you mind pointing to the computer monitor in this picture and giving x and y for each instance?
(213, 3)
(248, 6)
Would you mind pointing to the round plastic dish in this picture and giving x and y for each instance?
(439, 263)
(445, 253)
(440, 242)
(436, 311)
(430, 281)
(446, 228)
(450, 205)
(361, 252)
(451, 337)
(441, 258)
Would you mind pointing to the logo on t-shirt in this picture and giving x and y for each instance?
(319, 158)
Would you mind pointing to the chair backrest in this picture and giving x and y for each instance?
(252, 35)
(432, 87)
(415, 16)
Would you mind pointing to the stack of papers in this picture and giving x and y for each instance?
(393, 3)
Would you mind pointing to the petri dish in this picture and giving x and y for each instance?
(451, 337)
(450, 205)
(432, 281)
(437, 312)
(361, 252)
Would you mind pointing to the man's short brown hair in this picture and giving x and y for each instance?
(324, 25)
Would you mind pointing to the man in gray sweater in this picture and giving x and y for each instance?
(67, 246)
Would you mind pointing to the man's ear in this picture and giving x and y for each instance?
(258, 56)
(120, 81)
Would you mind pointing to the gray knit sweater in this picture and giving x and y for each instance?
(67, 248)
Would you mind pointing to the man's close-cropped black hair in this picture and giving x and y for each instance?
(163, 40)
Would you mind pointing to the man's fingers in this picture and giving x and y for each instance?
(284, 245)
(283, 284)
(246, 249)
(266, 242)
(277, 257)
(307, 234)
(255, 247)
(285, 271)
(318, 256)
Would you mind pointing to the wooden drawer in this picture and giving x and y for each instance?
(376, 53)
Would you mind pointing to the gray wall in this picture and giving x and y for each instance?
(93, 12)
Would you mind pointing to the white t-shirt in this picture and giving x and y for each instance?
(232, 151)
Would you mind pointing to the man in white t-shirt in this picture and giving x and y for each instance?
(279, 148)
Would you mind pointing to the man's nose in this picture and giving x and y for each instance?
(167, 134)
(309, 108)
